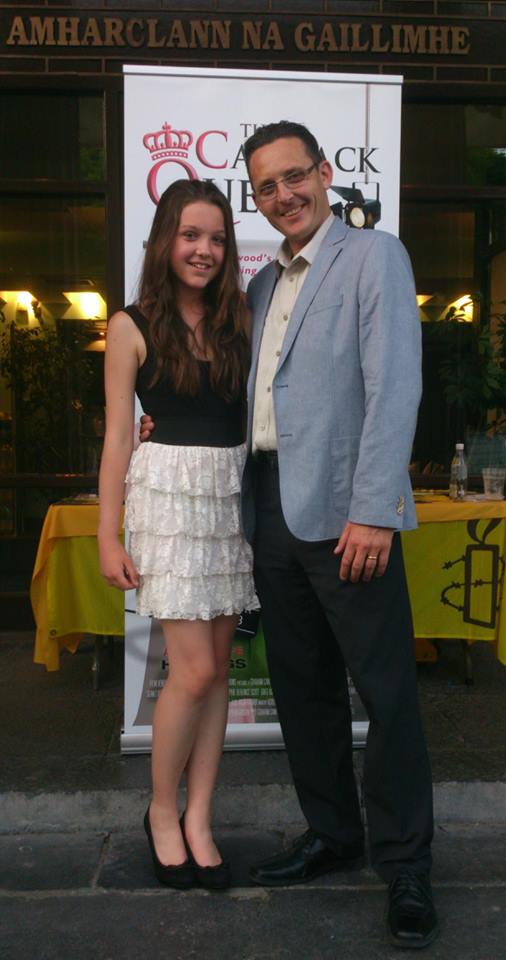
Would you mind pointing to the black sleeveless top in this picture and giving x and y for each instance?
(205, 420)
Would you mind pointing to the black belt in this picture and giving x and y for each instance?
(268, 458)
(197, 431)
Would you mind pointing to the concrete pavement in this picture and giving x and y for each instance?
(92, 896)
(75, 875)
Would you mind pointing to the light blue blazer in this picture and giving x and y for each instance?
(346, 389)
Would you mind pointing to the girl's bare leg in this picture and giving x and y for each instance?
(202, 767)
(192, 674)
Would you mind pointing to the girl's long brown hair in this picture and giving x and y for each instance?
(224, 324)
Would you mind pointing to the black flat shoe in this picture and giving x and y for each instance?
(411, 916)
(307, 858)
(211, 878)
(181, 876)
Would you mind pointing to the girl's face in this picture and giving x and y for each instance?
(198, 249)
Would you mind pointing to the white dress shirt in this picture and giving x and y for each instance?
(291, 275)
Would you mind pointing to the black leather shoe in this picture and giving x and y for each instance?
(180, 875)
(411, 917)
(307, 858)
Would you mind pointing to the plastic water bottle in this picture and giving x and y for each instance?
(458, 474)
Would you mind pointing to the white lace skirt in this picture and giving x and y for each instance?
(182, 512)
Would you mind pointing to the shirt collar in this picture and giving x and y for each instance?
(308, 253)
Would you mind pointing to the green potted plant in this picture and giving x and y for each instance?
(55, 385)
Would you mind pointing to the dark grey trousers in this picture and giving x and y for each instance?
(315, 626)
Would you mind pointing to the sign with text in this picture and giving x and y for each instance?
(54, 32)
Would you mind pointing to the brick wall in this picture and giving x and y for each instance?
(430, 42)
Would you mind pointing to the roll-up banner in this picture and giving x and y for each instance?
(183, 122)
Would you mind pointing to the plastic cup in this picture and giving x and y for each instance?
(493, 482)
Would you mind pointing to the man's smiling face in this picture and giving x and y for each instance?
(297, 212)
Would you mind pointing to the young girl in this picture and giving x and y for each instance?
(183, 349)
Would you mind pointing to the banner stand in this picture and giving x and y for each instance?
(183, 122)
(253, 722)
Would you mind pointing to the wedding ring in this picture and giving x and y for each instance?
(372, 558)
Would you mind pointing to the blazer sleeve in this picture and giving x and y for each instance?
(390, 360)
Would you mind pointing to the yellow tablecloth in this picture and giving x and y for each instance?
(438, 508)
(455, 569)
(454, 565)
(68, 595)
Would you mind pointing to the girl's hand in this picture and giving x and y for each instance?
(116, 566)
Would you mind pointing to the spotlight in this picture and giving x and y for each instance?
(357, 211)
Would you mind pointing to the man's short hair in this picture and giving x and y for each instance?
(271, 132)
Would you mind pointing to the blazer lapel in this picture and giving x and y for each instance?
(262, 301)
(330, 249)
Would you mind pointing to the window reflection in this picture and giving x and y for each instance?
(47, 241)
(61, 136)
(441, 239)
(53, 313)
(454, 144)
(458, 254)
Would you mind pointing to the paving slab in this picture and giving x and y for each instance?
(127, 866)
(83, 896)
(48, 862)
(305, 923)
(471, 854)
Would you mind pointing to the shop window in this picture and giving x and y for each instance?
(52, 329)
(50, 242)
(51, 137)
(459, 257)
(53, 308)
(442, 241)
(454, 144)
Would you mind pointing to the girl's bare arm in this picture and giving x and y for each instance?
(121, 365)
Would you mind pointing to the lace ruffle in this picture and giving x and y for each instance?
(168, 597)
(177, 513)
(197, 471)
(183, 555)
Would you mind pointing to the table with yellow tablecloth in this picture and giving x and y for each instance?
(455, 569)
(454, 565)
(69, 597)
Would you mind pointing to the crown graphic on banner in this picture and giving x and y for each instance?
(168, 142)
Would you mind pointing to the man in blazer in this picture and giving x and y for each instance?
(333, 395)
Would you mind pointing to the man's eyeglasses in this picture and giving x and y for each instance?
(294, 179)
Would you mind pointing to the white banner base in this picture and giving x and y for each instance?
(240, 736)
(146, 670)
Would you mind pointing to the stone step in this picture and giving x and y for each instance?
(271, 805)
